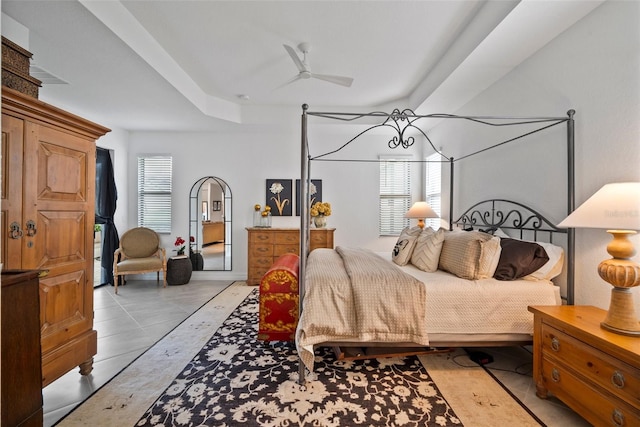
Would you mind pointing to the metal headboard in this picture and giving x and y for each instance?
(489, 215)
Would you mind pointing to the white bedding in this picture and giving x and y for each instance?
(457, 310)
(487, 306)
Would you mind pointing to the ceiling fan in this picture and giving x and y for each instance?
(305, 69)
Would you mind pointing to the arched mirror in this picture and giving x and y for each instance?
(210, 224)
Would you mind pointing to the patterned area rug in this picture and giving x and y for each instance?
(236, 379)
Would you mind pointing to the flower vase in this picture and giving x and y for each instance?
(320, 221)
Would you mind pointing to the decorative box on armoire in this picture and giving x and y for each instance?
(279, 298)
(48, 214)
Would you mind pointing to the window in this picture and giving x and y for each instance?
(433, 188)
(395, 194)
(154, 192)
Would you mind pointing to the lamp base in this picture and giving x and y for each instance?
(621, 317)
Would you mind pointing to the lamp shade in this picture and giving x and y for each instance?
(614, 206)
(421, 210)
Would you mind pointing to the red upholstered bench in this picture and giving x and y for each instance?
(279, 300)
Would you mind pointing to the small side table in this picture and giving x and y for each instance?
(179, 270)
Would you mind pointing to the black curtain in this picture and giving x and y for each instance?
(106, 197)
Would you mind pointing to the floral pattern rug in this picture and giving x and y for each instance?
(236, 379)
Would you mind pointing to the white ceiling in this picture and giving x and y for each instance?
(182, 65)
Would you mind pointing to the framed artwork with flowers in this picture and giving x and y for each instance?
(315, 192)
(279, 192)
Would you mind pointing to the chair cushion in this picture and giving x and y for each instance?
(139, 264)
(139, 242)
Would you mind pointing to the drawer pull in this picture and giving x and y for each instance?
(555, 375)
(617, 417)
(617, 379)
(555, 344)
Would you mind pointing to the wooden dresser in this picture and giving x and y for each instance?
(21, 387)
(48, 203)
(267, 244)
(594, 371)
(212, 232)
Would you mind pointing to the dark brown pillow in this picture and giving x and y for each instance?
(519, 258)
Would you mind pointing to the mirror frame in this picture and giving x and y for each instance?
(195, 217)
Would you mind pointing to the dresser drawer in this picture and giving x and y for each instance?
(612, 375)
(261, 250)
(261, 237)
(292, 248)
(595, 406)
(287, 237)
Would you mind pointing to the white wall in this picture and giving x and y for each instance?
(594, 68)
(245, 160)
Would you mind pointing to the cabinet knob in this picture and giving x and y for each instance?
(617, 417)
(555, 344)
(555, 375)
(617, 379)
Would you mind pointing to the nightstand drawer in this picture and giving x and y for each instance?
(584, 399)
(612, 375)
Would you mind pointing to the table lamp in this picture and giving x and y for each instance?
(616, 208)
(420, 211)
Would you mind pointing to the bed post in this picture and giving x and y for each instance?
(304, 224)
(571, 204)
(450, 193)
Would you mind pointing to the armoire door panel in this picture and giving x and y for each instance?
(11, 191)
(58, 241)
(52, 185)
(63, 308)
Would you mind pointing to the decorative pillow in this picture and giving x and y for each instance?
(553, 267)
(519, 258)
(404, 246)
(489, 258)
(426, 253)
(461, 252)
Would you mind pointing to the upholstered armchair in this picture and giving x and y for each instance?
(139, 252)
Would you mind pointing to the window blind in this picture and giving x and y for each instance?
(395, 194)
(154, 192)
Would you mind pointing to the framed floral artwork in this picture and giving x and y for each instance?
(278, 198)
(315, 192)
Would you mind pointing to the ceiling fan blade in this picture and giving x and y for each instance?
(297, 77)
(294, 56)
(339, 80)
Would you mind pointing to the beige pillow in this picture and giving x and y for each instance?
(489, 258)
(461, 253)
(404, 246)
(426, 253)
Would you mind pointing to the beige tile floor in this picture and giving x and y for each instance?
(143, 312)
(127, 325)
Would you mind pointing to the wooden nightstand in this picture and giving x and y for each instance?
(594, 371)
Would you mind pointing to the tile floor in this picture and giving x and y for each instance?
(127, 325)
(142, 313)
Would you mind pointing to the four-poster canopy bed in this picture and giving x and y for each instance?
(448, 296)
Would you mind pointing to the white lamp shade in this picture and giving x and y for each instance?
(614, 206)
(421, 210)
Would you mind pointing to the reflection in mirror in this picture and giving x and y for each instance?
(210, 224)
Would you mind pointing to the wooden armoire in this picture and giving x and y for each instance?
(48, 203)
